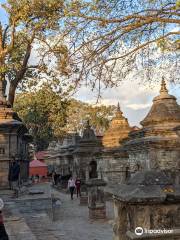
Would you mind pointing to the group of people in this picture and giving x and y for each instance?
(74, 184)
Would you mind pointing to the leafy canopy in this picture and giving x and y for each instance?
(112, 39)
(30, 42)
(44, 113)
(49, 116)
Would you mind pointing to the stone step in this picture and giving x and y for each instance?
(15, 224)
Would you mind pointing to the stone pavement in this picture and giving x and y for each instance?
(73, 223)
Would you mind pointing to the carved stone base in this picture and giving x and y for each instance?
(97, 212)
(84, 200)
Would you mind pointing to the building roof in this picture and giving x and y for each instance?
(164, 109)
(37, 163)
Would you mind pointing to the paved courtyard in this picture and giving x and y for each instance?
(73, 223)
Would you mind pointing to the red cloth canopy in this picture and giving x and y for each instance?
(37, 167)
(37, 163)
(40, 155)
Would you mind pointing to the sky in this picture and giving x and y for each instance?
(135, 99)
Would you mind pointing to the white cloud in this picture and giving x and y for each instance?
(139, 106)
(135, 99)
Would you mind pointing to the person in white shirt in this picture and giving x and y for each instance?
(71, 186)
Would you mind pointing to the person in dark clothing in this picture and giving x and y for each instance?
(78, 187)
(56, 177)
(3, 233)
(14, 172)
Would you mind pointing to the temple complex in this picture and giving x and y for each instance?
(141, 167)
(77, 155)
(14, 139)
(150, 199)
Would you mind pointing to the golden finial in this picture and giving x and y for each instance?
(118, 107)
(163, 86)
(118, 112)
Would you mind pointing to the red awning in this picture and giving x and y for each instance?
(37, 163)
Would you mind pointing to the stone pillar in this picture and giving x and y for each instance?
(120, 221)
(96, 201)
(84, 196)
(84, 192)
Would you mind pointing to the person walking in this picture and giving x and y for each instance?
(14, 172)
(3, 233)
(78, 187)
(71, 186)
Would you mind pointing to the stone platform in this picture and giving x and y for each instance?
(22, 222)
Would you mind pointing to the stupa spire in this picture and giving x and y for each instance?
(119, 112)
(118, 107)
(163, 86)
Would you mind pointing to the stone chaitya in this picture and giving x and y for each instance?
(113, 165)
(118, 130)
(86, 154)
(14, 141)
(147, 206)
(157, 144)
(60, 157)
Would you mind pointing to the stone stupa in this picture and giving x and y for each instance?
(157, 144)
(118, 130)
(147, 206)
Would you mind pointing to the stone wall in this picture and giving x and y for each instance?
(148, 216)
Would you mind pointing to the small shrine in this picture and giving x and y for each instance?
(113, 165)
(14, 139)
(118, 130)
(87, 154)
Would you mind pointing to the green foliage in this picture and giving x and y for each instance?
(78, 112)
(178, 4)
(31, 24)
(49, 116)
(44, 113)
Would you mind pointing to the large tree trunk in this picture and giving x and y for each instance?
(11, 95)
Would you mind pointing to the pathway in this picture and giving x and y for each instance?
(73, 224)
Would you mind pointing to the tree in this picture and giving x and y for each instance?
(98, 41)
(50, 116)
(111, 38)
(31, 25)
(44, 113)
(79, 112)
